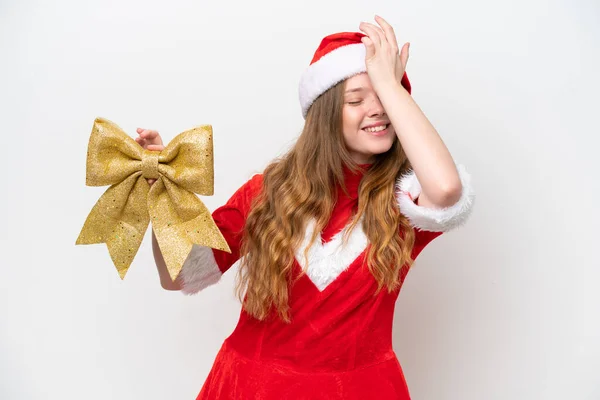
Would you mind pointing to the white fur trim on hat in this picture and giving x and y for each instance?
(199, 270)
(431, 219)
(335, 66)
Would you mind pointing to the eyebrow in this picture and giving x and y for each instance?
(358, 89)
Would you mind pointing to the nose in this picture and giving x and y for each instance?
(376, 108)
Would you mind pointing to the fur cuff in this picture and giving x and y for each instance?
(199, 271)
(408, 188)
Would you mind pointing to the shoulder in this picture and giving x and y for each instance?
(242, 198)
(252, 186)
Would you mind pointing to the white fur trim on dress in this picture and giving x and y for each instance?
(327, 261)
(408, 188)
(335, 66)
(199, 270)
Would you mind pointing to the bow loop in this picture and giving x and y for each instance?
(112, 155)
(188, 160)
(121, 216)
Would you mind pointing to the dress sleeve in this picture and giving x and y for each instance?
(430, 223)
(408, 190)
(204, 266)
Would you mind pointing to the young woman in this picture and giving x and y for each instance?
(327, 233)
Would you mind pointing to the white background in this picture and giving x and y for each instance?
(506, 307)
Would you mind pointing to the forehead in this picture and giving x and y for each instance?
(358, 83)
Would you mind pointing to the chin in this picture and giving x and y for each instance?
(380, 148)
(371, 154)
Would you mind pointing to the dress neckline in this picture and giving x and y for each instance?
(352, 179)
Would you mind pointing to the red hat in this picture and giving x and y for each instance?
(339, 56)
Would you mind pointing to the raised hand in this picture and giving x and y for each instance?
(149, 140)
(385, 63)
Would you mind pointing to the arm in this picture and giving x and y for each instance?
(204, 266)
(163, 273)
(431, 161)
(151, 140)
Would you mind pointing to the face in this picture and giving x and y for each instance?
(366, 127)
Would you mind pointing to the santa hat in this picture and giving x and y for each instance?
(339, 56)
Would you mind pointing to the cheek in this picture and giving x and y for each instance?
(352, 118)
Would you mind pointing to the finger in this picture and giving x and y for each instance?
(377, 30)
(140, 141)
(369, 30)
(369, 45)
(152, 137)
(156, 147)
(150, 134)
(389, 31)
(139, 130)
(375, 39)
(144, 133)
(374, 32)
(404, 54)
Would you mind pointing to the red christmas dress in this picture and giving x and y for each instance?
(339, 343)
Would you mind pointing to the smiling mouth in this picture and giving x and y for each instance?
(377, 129)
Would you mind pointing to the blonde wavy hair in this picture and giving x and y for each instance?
(300, 186)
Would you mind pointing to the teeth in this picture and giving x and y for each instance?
(376, 129)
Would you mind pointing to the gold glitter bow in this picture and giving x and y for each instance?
(121, 216)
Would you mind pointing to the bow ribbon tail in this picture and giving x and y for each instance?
(119, 219)
(180, 220)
